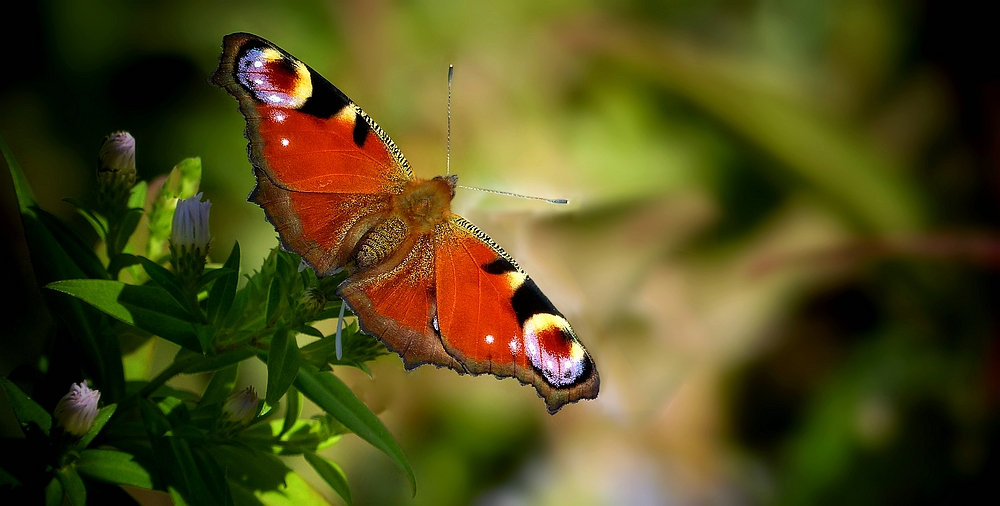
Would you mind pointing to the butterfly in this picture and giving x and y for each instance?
(428, 283)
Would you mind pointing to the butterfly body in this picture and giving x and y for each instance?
(428, 283)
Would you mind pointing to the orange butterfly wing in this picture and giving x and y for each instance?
(494, 319)
(429, 284)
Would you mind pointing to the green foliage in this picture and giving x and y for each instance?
(184, 443)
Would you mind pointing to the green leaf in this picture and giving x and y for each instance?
(181, 183)
(8, 480)
(114, 466)
(220, 298)
(282, 364)
(99, 224)
(150, 308)
(261, 478)
(331, 474)
(72, 484)
(26, 410)
(79, 251)
(333, 396)
(137, 196)
(165, 279)
(156, 424)
(126, 227)
(274, 300)
(221, 385)
(54, 492)
(25, 197)
(293, 409)
(215, 362)
(122, 261)
(99, 422)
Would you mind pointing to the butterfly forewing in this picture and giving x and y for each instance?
(305, 134)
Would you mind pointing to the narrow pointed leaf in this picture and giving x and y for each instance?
(333, 396)
(114, 466)
(102, 418)
(73, 485)
(282, 364)
(150, 308)
(26, 410)
(331, 474)
(220, 299)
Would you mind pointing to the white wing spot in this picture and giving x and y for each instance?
(258, 64)
(284, 142)
(279, 117)
(489, 339)
(514, 345)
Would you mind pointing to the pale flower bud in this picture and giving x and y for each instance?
(77, 410)
(240, 407)
(117, 154)
(189, 237)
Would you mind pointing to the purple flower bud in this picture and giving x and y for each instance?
(77, 410)
(241, 407)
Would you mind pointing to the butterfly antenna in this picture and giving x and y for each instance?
(518, 195)
(451, 74)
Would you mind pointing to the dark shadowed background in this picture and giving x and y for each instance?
(780, 250)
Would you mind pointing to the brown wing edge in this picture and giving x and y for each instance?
(555, 398)
(398, 338)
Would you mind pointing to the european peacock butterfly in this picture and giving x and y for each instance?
(433, 287)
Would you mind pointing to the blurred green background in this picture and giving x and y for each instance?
(780, 250)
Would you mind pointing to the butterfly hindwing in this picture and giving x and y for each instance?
(494, 319)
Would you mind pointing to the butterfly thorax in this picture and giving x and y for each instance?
(426, 203)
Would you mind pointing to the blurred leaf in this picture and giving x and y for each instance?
(114, 466)
(149, 308)
(54, 492)
(25, 197)
(8, 480)
(332, 396)
(181, 183)
(26, 410)
(331, 474)
(282, 364)
(72, 485)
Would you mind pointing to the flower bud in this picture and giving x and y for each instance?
(189, 237)
(115, 173)
(77, 410)
(240, 407)
(311, 304)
